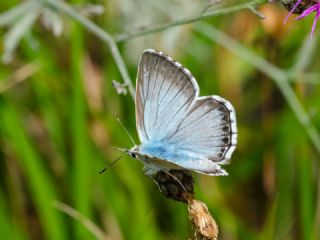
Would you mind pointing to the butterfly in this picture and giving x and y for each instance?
(177, 128)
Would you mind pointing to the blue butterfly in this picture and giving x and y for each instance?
(177, 128)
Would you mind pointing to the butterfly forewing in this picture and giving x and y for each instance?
(176, 125)
(164, 94)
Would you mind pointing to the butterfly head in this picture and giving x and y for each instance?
(133, 152)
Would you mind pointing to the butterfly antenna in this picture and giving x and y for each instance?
(110, 165)
(121, 149)
(116, 116)
(176, 179)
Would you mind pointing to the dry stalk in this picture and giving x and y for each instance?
(178, 185)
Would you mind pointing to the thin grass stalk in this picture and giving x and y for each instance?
(279, 76)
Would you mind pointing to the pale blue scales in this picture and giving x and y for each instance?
(177, 128)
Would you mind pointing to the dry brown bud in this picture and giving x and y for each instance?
(204, 225)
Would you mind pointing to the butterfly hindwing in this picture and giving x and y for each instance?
(208, 129)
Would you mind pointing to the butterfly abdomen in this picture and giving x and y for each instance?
(159, 149)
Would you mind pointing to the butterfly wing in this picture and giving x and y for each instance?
(164, 94)
(174, 124)
(209, 129)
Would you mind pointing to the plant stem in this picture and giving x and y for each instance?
(157, 28)
(305, 53)
(94, 229)
(19, 76)
(100, 33)
(13, 14)
(279, 76)
(112, 41)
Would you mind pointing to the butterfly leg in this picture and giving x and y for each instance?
(176, 179)
(149, 171)
(175, 184)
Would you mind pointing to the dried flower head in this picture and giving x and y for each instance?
(205, 226)
(178, 185)
(175, 184)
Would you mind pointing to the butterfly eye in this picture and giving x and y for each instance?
(133, 155)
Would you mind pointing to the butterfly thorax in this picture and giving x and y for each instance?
(154, 157)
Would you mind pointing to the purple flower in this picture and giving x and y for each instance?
(292, 10)
(312, 8)
(315, 8)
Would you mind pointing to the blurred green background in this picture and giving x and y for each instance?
(57, 126)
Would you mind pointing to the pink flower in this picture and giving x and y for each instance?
(315, 8)
(312, 8)
(292, 10)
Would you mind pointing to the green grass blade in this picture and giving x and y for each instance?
(38, 179)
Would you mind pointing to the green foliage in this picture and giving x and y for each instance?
(57, 124)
